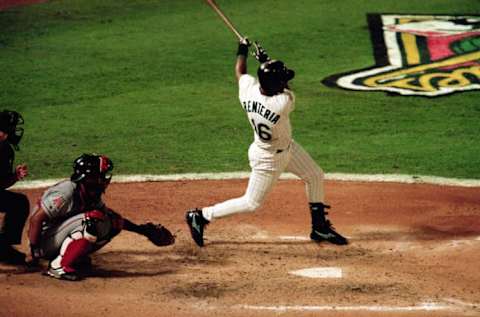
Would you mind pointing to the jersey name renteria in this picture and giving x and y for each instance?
(257, 107)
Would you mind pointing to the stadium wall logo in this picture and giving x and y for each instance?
(419, 55)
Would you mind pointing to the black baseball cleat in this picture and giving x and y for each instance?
(196, 223)
(326, 232)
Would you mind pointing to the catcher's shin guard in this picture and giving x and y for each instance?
(322, 229)
(196, 222)
(73, 250)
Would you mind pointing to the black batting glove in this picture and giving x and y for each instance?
(260, 54)
(243, 46)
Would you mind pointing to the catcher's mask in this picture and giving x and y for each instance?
(94, 171)
(274, 76)
(9, 123)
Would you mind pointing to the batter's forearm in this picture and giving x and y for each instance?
(240, 66)
(242, 54)
(34, 231)
(35, 226)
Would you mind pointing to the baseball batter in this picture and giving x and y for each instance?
(268, 102)
(71, 220)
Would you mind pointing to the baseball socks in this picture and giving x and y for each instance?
(322, 229)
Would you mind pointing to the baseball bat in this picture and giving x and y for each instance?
(225, 19)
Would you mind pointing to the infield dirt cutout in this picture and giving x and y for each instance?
(414, 251)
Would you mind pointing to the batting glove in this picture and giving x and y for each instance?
(260, 54)
(243, 46)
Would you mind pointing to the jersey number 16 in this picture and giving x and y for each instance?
(262, 130)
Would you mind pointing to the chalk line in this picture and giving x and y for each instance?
(429, 306)
(319, 272)
(389, 178)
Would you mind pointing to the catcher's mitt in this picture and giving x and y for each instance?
(157, 234)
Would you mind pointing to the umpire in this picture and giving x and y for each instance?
(15, 206)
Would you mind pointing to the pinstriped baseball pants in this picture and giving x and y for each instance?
(266, 168)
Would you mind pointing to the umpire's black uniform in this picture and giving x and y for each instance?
(15, 206)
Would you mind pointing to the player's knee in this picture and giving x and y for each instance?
(71, 238)
(319, 174)
(89, 237)
(90, 230)
(315, 175)
(252, 205)
(94, 214)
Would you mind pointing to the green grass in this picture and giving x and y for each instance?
(151, 84)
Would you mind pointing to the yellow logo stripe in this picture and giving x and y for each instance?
(418, 77)
(410, 43)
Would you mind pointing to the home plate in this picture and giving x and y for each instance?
(319, 272)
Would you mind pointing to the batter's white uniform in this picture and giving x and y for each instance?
(272, 152)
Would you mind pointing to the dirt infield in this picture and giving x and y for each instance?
(414, 252)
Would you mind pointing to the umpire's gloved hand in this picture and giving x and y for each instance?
(260, 54)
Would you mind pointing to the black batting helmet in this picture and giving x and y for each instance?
(9, 123)
(274, 76)
(92, 165)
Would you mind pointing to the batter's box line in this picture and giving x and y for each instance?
(461, 303)
(426, 306)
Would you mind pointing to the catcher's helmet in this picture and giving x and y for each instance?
(274, 76)
(9, 123)
(96, 166)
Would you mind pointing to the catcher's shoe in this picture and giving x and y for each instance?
(61, 274)
(326, 232)
(196, 223)
(84, 264)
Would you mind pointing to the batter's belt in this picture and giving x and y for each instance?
(281, 150)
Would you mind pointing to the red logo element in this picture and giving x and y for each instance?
(104, 165)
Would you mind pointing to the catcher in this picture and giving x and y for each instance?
(71, 221)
